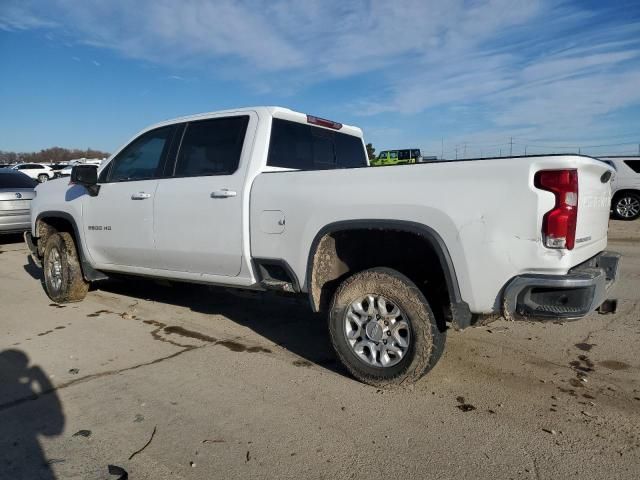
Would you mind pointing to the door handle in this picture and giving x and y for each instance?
(224, 193)
(140, 196)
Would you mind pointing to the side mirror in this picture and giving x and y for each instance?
(86, 175)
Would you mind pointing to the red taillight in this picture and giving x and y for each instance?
(323, 122)
(559, 224)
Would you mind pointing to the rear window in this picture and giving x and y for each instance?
(304, 147)
(633, 165)
(16, 180)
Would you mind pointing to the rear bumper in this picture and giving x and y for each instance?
(566, 297)
(16, 222)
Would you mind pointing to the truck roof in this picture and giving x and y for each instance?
(272, 111)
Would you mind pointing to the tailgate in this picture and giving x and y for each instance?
(594, 203)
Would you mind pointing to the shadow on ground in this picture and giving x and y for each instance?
(29, 407)
(285, 320)
(10, 239)
(32, 269)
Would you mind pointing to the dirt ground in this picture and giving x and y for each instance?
(225, 385)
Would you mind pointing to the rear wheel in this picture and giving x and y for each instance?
(383, 329)
(63, 280)
(626, 206)
(43, 177)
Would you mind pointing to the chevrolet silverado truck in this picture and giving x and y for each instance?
(270, 199)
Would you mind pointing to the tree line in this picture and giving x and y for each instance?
(50, 155)
(61, 155)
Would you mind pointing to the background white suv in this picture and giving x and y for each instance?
(625, 187)
(37, 171)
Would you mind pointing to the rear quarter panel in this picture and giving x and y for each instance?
(488, 213)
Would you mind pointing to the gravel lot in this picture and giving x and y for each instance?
(240, 385)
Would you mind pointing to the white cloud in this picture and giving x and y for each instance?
(16, 15)
(533, 67)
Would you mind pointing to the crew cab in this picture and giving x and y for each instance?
(270, 199)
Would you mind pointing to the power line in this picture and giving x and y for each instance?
(580, 146)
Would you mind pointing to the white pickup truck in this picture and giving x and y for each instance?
(267, 198)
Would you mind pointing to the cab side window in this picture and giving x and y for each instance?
(142, 158)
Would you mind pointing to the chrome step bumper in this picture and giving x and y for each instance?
(567, 297)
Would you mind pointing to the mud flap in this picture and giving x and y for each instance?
(33, 250)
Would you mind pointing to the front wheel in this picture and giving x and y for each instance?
(626, 206)
(63, 280)
(43, 177)
(383, 329)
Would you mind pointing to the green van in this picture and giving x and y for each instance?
(397, 157)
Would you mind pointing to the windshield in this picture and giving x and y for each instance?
(16, 180)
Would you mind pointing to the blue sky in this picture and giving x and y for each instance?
(459, 76)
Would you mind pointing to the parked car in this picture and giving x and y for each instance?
(625, 204)
(57, 168)
(37, 171)
(270, 199)
(398, 157)
(66, 172)
(16, 193)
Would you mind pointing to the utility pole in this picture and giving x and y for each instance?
(500, 152)
(465, 150)
(525, 149)
(456, 152)
(441, 148)
(511, 146)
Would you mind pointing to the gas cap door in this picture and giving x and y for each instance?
(272, 221)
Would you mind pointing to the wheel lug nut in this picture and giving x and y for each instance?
(386, 322)
(388, 334)
(377, 317)
(384, 341)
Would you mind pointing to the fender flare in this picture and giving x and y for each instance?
(460, 311)
(88, 272)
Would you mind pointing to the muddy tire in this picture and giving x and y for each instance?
(383, 329)
(63, 280)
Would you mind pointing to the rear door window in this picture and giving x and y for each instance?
(304, 147)
(212, 147)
